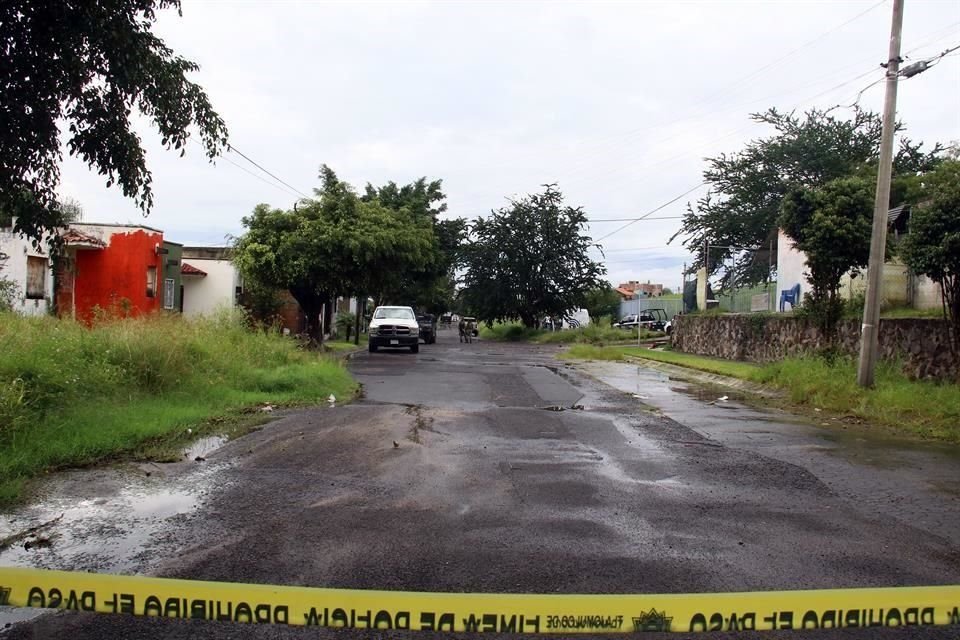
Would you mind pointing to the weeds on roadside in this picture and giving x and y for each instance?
(73, 395)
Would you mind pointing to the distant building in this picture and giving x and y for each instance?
(639, 289)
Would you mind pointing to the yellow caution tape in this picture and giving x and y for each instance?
(481, 612)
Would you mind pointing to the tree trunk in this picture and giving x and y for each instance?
(950, 294)
(312, 305)
(529, 321)
(360, 309)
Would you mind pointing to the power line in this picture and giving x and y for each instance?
(633, 219)
(260, 178)
(585, 160)
(922, 65)
(232, 148)
(634, 249)
(665, 204)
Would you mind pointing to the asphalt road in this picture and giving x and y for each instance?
(453, 474)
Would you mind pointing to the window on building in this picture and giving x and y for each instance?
(36, 278)
(168, 293)
(151, 282)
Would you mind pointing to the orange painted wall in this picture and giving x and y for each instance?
(104, 278)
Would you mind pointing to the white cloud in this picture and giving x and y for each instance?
(618, 102)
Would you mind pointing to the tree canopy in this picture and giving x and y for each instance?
(831, 225)
(603, 301)
(334, 244)
(932, 244)
(529, 260)
(89, 66)
(739, 214)
(430, 287)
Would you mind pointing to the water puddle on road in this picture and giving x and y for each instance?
(203, 447)
(104, 520)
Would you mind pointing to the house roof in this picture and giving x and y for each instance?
(187, 269)
(898, 217)
(625, 292)
(75, 238)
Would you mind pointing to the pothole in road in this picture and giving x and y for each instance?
(203, 447)
(108, 519)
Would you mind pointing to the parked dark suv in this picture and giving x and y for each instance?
(428, 328)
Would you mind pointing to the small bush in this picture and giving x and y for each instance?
(508, 332)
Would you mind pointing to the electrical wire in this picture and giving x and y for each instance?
(592, 220)
(232, 148)
(620, 138)
(260, 178)
(651, 212)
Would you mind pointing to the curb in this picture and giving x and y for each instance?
(695, 375)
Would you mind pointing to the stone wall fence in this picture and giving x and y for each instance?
(921, 345)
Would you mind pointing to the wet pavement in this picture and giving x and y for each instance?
(465, 468)
(915, 482)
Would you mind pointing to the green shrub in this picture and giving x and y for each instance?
(71, 394)
(508, 332)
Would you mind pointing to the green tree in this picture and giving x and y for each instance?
(603, 301)
(831, 225)
(430, 287)
(529, 260)
(335, 244)
(87, 67)
(738, 216)
(932, 244)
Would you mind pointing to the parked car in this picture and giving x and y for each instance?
(651, 319)
(394, 327)
(428, 328)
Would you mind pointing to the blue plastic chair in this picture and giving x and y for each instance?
(791, 295)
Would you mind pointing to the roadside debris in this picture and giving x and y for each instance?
(266, 408)
(26, 533)
(332, 399)
(396, 445)
(40, 542)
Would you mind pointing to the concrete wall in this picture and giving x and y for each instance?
(922, 345)
(204, 295)
(926, 293)
(895, 288)
(791, 266)
(18, 249)
(899, 287)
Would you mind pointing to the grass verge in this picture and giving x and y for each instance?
(917, 408)
(591, 334)
(75, 396)
(341, 345)
(732, 368)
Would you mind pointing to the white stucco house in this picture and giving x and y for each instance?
(210, 280)
(29, 268)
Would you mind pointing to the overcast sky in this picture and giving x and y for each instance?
(617, 102)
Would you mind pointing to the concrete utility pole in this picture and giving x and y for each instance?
(878, 240)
